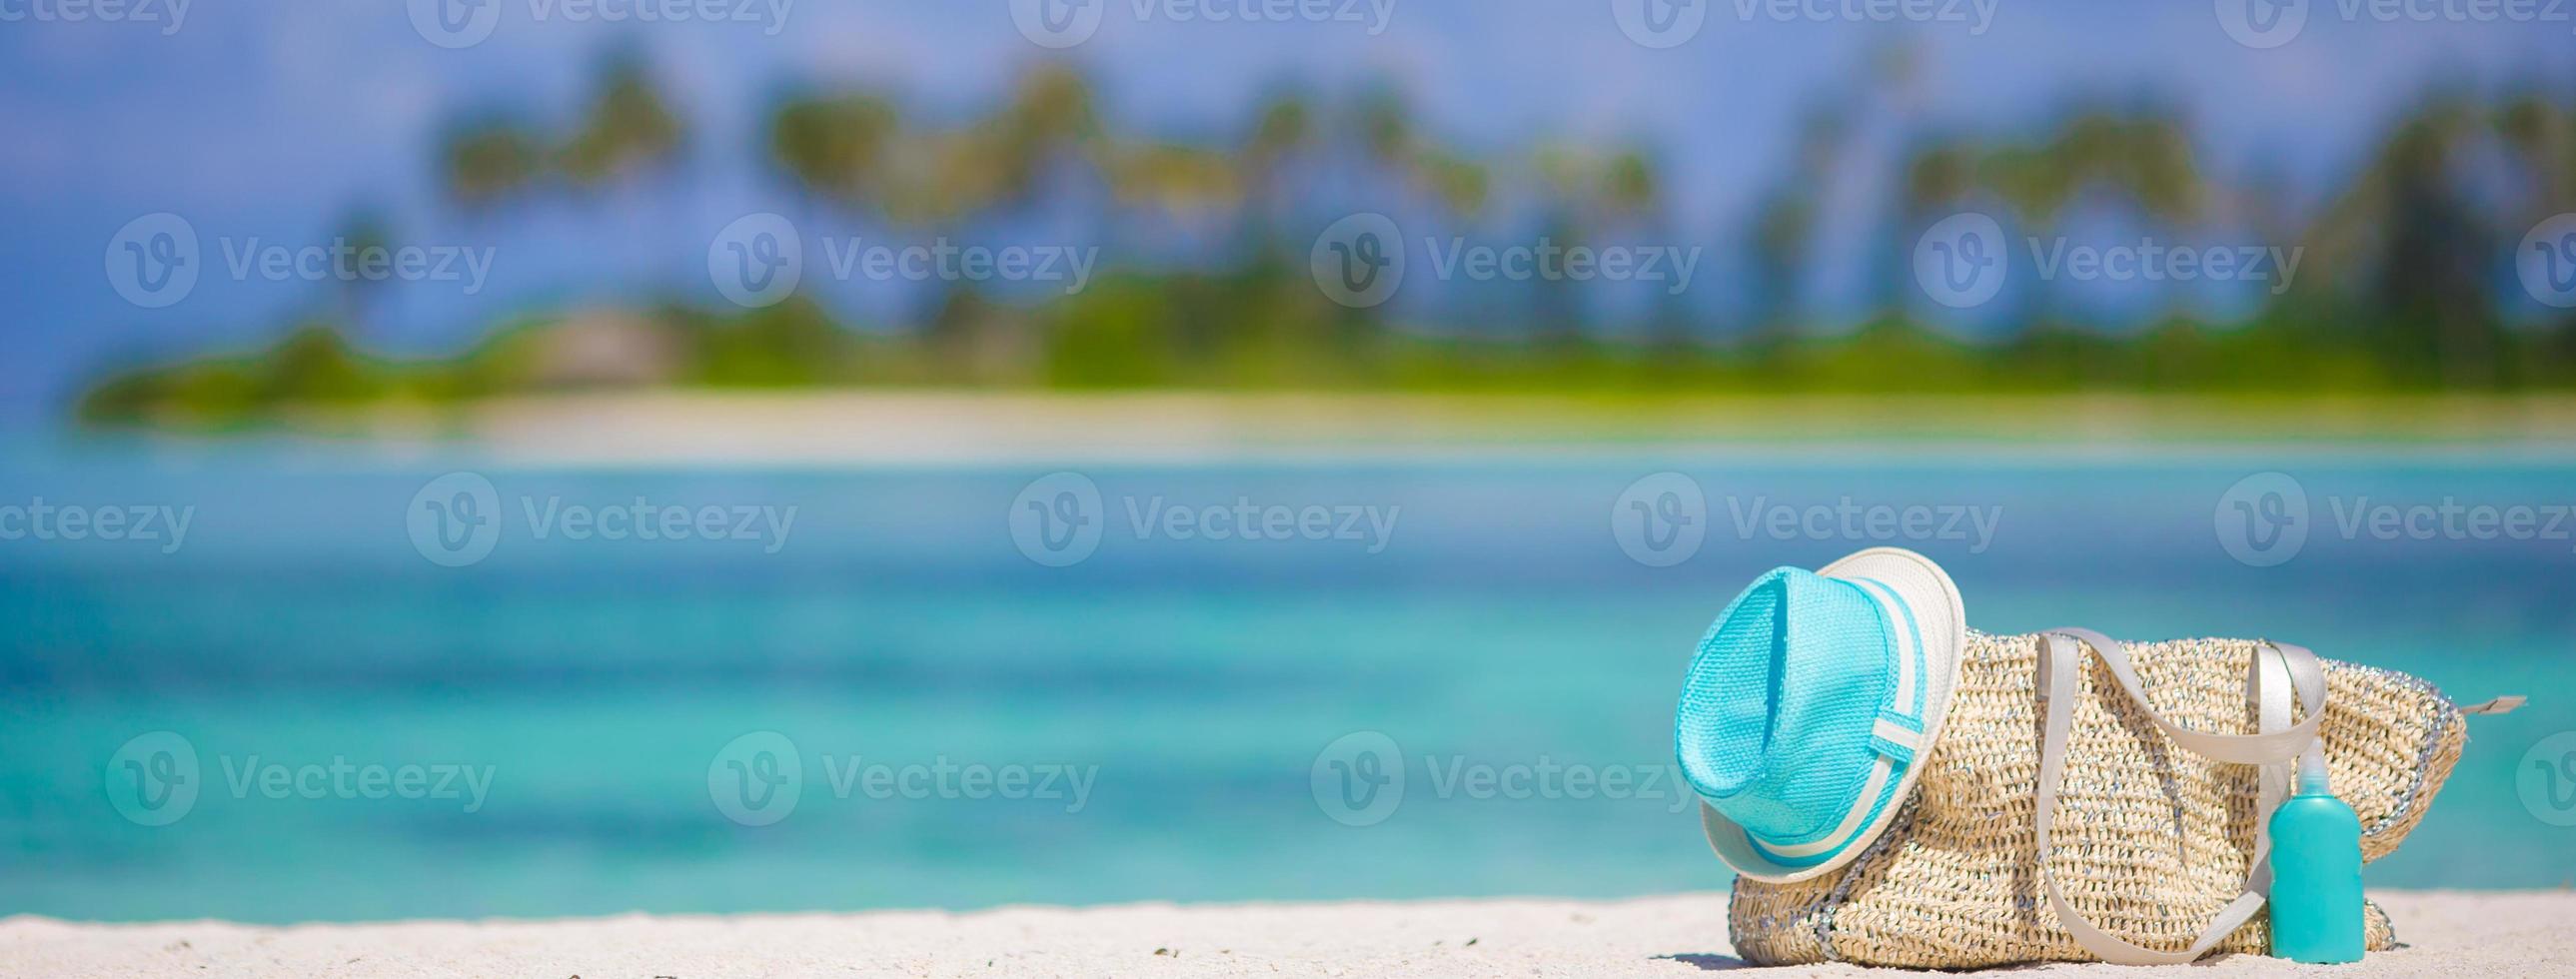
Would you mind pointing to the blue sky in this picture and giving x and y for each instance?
(271, 120)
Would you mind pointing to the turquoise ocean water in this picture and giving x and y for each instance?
(1199, 690)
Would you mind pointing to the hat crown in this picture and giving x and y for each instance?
(1775, 721)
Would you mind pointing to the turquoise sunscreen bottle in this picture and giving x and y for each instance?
(2316, 872)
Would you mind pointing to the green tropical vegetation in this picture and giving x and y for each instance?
(2407, 283)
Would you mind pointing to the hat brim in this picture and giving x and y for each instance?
(1942, 618)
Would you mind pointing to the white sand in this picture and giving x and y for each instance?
(904, 427)
(2446, 933)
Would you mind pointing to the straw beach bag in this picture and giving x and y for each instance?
(2153, 845)
(2074, 798)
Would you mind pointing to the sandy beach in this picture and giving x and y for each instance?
(2453, 933)
(960, 427)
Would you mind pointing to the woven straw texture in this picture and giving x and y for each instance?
(2151, 841)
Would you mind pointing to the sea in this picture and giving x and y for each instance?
(276, 683)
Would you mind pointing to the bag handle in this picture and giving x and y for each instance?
(2276, 662)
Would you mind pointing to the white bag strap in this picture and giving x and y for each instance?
(2061, 667)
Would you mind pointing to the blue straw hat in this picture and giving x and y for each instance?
(1812, 706)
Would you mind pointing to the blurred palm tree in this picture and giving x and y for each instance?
(1392, 140)
(1784, 229)
(2542, 138)
(362, 232)
(836, 147)
(2419, 249)
(998, 161)
(1589, 198)
(488, 158)
(627, 128)
(2145, 157)
(1179, 180)
(1282, 128)
(2142, 157)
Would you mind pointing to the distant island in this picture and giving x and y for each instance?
(2405, 283)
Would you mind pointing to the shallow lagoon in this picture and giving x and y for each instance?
(1202, 666)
